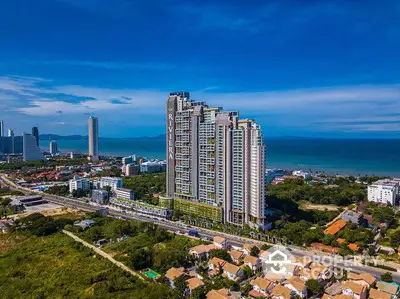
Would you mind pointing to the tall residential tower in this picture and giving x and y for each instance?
(215, 162)
(94, 139)
(35, 133)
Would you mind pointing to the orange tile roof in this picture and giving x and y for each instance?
(335, 228)
(296, 282)
(217, 262)
(279, 290)
(340, 240)
(355, 287)
(217, 239)
(235, 254)
(368, 278)
(175, 273)
(219, 294)
(194, 283)
(387, 287)
(250, 259)
(354, 247)
(262, 283)
(231, 268)
(376, 294)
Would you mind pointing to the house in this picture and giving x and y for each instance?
(253, 262)
(341, 296)
(365, 279)
(220, 242)
(247, 248)
(354, 217)
(314, 271)
(202, 251)
(376, 294)
(215, 265)
(335, 228)
(219, 294)
(236, 255)
(174, 273)
(261, 287)
(297, 285)
(84, 223)
(333, 290)
(194, 283)
(354, 247)
(340, 241)
(324, 248)
(232, 271)
(280, 292)
(356, 290)
(390, 288)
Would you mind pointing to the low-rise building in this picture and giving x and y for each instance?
(141, 207)
(301, 173)
(253, 262)
(131, 169)
(100, 197)
(356, 290)
(389, 288)
(79, 183)
(84, 224)
(173, 274)
(236, 255)
(152, 167)
(219, 294)
(261, 287)
(112, 182)
(297, 285)
(354, 217)
(376, 294)
(124, 193)
(215, 265)
(280, 292)
(194, 283)
(202, 251)
(232, 271)
(365, 279)
(384, 191)
(220, 242)
(335, 227)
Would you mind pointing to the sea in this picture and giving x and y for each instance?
(333, 156)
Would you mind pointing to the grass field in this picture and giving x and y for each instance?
(57, 267)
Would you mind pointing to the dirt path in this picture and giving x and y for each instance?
(103, 254)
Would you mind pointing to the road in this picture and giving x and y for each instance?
(232, 239)
(103, 254)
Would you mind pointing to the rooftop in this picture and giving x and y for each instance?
(335, 228)
(175, 273)
(194, 283)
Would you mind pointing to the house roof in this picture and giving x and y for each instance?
(296, 282)
(387, 287)
(235, 254)
(341, 296)
(251, 259)
(279, 290)
(262, 283)
(216, 261)
(376, 294)
(219, 294)
(175, 273)
(199, 249)
(355, 287)
(217, 239)
(335, 228)
(248, 247)
(194, 283)
(334, 289)
(368, 278)
(354, 247)
(340, 240)
(231, 268)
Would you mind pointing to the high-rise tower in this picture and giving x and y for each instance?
(94, 139)
(215, 162)
(35, 133)
(1, 128)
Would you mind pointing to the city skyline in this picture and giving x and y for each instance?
(326, 68)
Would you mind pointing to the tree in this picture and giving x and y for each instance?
(254, 251)
(199, 293)
(141, 258)
(246, 289)
(387, 277)
(394, 238)
(313, 286)
(222, 254)
(247, 272)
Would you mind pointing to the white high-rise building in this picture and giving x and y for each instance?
(1, 128)
(215, 162)
(10, 133)
(94, 139)
(384, 191)
(79, 183)
(53, 147)
(31, 151)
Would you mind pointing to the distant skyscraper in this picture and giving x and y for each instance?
(215, 162)
(35, 133)
(10, 133)
(1, 128)
(30, 149)
(94, 139)
(53, 147)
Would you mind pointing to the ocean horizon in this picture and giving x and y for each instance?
(333, 156)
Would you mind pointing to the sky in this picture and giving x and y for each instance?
(299, 68)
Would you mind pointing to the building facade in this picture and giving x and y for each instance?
(1, 128)
(114, 183)
(93, 139)
(124, 193)
(53, 147)
(35, 133)
(131, 169)
(384, 191)
(100, 197)
(31, 151)
(215, 160)
(79, 183)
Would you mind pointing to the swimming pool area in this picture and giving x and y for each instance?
(151, 274)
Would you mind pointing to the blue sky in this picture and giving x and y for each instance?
(300, 68)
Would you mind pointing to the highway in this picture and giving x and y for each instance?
(232, 239)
